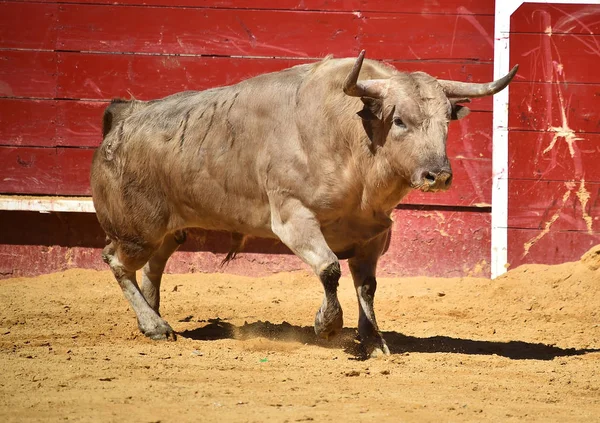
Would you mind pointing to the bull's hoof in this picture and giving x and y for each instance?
(329, 324)
(161, 331)
(379, 351)
(373, 347)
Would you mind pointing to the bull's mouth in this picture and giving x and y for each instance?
(430, 182)
(426, 186)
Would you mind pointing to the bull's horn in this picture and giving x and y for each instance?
(468, 89)
(370, 88)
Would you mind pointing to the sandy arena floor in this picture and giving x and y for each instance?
(524, 347)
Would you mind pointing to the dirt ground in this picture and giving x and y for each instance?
(524, 347)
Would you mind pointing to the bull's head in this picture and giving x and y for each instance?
(407, 116)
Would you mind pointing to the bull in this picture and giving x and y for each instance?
(317, 155)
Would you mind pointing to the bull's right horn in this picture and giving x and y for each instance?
(471, 90)
(374, 88)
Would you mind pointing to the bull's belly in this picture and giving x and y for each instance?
(224, 214)
(344, 236)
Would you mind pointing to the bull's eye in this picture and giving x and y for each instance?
(399, 123)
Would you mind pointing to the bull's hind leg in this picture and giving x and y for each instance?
(297, 228)
(124, 260)
(153, 270)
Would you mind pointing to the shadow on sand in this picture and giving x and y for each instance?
(398, 343)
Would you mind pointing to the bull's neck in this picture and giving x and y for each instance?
(382, 187)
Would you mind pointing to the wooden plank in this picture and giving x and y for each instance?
(541, 106)
(50, 123)
(389, 36)
(27, 122)
(468, 7)
(28, 25)
(67, 229)
(102, 76)
(79, 123)
(546, 155)
(556, 19)
(553, 248)
(273, 33)
(27, 74)
(559, 58)
(206, 31)
(438, 243)
(554, 205)
(55, 171)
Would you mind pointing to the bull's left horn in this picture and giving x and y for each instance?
(374, 88)
(470, 90)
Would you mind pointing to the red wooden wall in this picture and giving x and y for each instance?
(554, 139)
(60, 62)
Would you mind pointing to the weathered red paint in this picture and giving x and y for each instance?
(533, 246)
(75, 75)
(54, 171)
(463, 7)
(571, 62)
(27, 122)
(539, 106)
(473, 36)
(51, 123)
(91, 76)
(241, 32)
(552, 156)
(205, 31)
(19, 68)
(554, 205)
(28, 25)
(554, 185)
(574, 19)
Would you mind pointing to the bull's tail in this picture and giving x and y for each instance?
(117, 111)
(237, 243)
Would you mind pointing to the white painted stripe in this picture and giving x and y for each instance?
(46, 204)
(499, 241)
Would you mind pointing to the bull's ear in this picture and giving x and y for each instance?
(458, 111)
(372, 110)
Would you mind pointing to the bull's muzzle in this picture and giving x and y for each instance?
(433, 180)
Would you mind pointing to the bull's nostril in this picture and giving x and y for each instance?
(429, 177)
(448, 181)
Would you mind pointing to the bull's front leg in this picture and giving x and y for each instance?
(298, 228)
(329, 319)
(363, 266)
